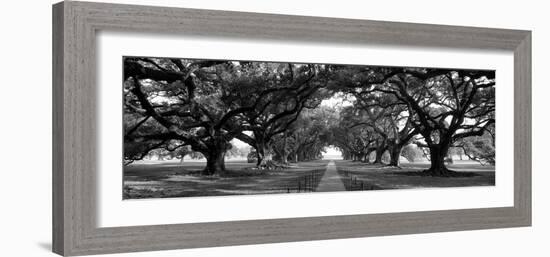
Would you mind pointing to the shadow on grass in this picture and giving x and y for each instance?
(162, 181)
(412, 175)
(453, 174)
(353, 182)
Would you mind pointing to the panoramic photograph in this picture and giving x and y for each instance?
(201, 127)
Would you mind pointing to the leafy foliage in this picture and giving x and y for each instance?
(177, 107)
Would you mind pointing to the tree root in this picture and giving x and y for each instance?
(448, 173)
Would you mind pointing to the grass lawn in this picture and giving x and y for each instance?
(160, 179)
(360, 176)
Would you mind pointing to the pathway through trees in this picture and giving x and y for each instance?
(331, 181)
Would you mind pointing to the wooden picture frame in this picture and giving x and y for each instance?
(74, 130)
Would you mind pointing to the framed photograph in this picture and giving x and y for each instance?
(183, 128)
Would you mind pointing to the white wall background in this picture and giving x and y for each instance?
(25, 128)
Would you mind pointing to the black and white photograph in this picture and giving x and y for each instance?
(210, 128)
(198, 127)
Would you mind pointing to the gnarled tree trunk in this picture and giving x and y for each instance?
(266, 162)
(265, 156)
(395, 154)
(379, 152)
(215, 157)
(437, 158)
(215, 163)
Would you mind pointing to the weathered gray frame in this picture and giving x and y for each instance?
(74, 130)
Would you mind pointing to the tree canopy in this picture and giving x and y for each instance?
(283, 111)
